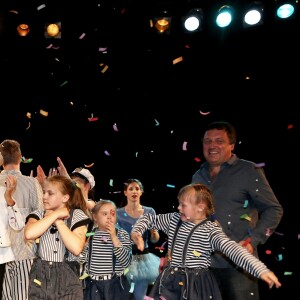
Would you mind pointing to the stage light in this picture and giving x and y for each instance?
(224, 16)
(23, 29)
(193, 20)
(285, 9)
(53, 30)
(162, 22)
(253, 14)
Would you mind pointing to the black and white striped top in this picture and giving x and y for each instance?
(206, 239)
(101, 260)
(51, 246)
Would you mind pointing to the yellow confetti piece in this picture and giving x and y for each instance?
(151, 23)
(37, 281)
(246, 217)
(85, 275)
(28, 115)
(104, 69)
(180, 283)
(43, 113)
(196, 253)
(177, 60)
(126, 271)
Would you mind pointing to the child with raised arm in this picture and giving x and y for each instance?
(59, 232)
(192, 238)
(108, 255)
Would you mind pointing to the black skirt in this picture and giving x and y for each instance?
(184, 283)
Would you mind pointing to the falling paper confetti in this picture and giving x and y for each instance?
(204, 113)
(115, 127)
(177, 60)
(184, 146)
(89, 166)
(43, 113)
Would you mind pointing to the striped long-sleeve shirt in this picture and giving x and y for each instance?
(51, 246)
(206, 239)
(100, 262)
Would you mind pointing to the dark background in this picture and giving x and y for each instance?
(148, 108)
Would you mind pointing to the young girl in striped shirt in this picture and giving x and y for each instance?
(59, 232)
(192, 238)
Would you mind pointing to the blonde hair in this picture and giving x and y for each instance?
(198, 193)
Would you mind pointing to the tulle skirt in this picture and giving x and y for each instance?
(144, 267)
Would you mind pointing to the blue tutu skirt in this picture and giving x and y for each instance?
(143, 267)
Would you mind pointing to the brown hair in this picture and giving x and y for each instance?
(69, 187)
(11, 152)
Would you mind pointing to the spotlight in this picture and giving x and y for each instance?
(53, 30)
(285, 9)
(224, 16)
(162, 23)
(253, 14)
(193, 20)
(23, 29)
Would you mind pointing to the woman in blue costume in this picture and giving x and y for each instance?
(144, 267)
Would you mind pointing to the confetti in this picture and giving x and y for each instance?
(260, 165)
(64, 83)
(83, 276)
(90, 234)
(156, 122)
(111, 182)
(268, 252)
(177, 60)
(287, 273)
(28, 126)
(82, 36)
(245, 204)
(180, 283)
(184, 146)
(104, 69)
(89, 166)
(27, 160)
(103, 239)
(290, 126)
(268, 232)
(37, 281)
(115, 127)
(107, 153)
(93, 119)
(204, 113)
(196, 253)
(246, 217)
(43, 113)
(41, 6)
(131, 287)
(28, 115)
(197, 159)
(171, 186)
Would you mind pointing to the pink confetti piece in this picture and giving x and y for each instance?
(268, 232)
(102, 49)
(103, 239)
(290, 126)
(115, 127)
(268, 252)
(184, 146)
(260, 165)
(197, 159)
(107, 153)
(204, 113)
(82, 36)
